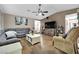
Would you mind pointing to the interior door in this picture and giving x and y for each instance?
(37, 25)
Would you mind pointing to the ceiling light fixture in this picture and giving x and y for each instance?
(40, 12)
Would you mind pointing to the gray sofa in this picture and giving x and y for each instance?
(21, 33)
(4, 41)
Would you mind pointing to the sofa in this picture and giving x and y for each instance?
(10, 46)
(4, 41)
(13, 43)
(21, 32)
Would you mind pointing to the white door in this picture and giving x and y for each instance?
(37, 25)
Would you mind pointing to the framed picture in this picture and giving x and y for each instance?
(25, 21)
(21, 20)
(18, 20)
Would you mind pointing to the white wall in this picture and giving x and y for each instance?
(1, 21)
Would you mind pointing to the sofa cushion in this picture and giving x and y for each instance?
(3, 40)
(21, 32)
(6, 42)
(10, 34)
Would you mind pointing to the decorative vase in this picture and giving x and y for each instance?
(32, 32)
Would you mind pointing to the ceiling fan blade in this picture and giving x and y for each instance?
(45, 11)
(42, 14)
(28, 10)
(34, 12)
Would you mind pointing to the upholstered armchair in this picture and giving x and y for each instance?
(68, 44)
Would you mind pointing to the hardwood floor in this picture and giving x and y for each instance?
(44, 47)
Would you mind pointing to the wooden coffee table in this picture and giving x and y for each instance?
(35, 38)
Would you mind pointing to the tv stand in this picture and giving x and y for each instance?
(49, 32)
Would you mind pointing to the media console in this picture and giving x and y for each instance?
(50, 28)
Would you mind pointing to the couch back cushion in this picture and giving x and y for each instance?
(21, 32)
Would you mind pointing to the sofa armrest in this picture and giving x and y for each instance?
(61, 39)
(58, 38)
(9, 41)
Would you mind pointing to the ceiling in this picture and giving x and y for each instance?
(27, 9)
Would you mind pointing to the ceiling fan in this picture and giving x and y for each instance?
(40, 11)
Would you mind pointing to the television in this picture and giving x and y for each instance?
(51, 24)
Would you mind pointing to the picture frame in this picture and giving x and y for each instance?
(21, 20)
(18, 20)
(24, 21)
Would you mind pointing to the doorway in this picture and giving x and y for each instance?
(37, 25)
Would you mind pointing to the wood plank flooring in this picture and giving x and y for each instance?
(44, 47)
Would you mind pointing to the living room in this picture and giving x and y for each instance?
(26, 31)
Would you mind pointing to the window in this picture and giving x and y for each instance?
(70, 21)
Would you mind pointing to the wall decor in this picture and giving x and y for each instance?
(24, 21)
(18, 20)
(21, 20)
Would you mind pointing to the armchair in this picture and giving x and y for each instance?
(68, 44)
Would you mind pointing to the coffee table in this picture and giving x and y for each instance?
(35, 38)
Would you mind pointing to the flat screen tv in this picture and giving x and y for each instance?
(51, 24)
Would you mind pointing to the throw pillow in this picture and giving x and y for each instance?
(10, 34)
